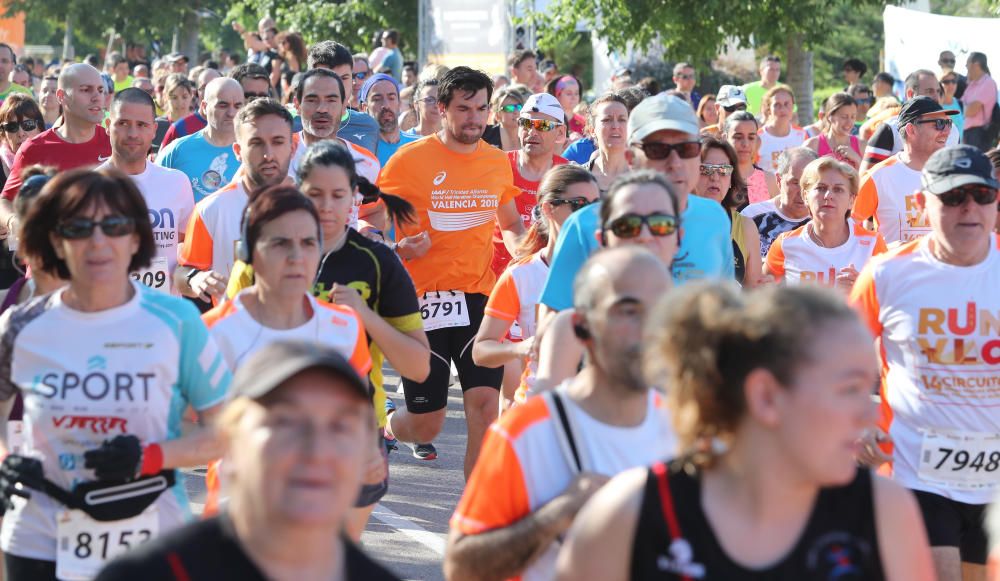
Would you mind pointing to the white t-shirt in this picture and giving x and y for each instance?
(514, 298)
(889, 193)
(771, 146)
(797, 259)
(214, 230)
(87, 377)
(170, 200)
(939, 329)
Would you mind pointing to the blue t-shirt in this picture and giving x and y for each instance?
(706, 249)
(580, 150)
(386, 150)
(360, 129)
(207, 166)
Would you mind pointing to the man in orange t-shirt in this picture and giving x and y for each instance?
(459, 186)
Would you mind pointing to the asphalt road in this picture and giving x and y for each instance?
(409, 528)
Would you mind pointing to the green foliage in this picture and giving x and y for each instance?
(574, 55)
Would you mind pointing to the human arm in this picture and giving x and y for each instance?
(753, 272)
(199, 447)
(511, 226)
(772, 183)
(577, 240)
(194, 276)
(489, 349)
(559, 352)
(812, 143)
(502, 553)
(599, 544)
(8, 218)
(973, 108)
(903, 545)
(774, 263)
(203, 284)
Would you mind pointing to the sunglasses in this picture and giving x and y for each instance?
(515, 108)
(429, 101)
(939, 124)
(630, 225)
(658, 151)
(574, 203)
(709, 169)
(734, 108)
(947, 62)
(251, 96)
(361, 75)
(543, 125)
(949, 81)
(867, 101)
(80, 228)
(981, 194)
(27, 125)
(685, 77)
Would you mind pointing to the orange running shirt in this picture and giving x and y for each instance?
(456, 197)
(797, 259)
(888, 193)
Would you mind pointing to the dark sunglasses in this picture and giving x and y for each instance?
(981, 194)
(361, 75)
(630, 225)
(26, 124)
(574, 203)
(949, 81)
(658, 151)
(867, 101)
(735, 108)
(947, 62)
(939, 124)
(80, 228)
(515, 108)
(250, 96)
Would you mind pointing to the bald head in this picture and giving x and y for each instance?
(78, 74)
(223, 98)
(207, 76)
(625, 271)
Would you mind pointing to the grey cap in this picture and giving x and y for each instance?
(659, 113)
(277, 362)
(954, 167)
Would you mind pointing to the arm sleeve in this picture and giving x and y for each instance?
(170, 135)
(361, 358)
(504, 303)
(866, 204)
(240, 278)
(166, 156)
(196, 251)
(881, 144)
(397, 297)
(204, 376)
(880, 245)
(572, 250)
(864, 299)
(776, 259)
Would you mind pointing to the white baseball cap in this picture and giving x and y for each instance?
(730, 95)
(546, 104)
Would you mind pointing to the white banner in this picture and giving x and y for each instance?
(915, 39)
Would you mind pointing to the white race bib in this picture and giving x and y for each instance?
(442, 309)
(157, 276)
(967, 460)
(15, 436)
(85, 545)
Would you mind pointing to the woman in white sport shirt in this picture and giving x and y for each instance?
(831, 248)
(106, 368)
(564, 190)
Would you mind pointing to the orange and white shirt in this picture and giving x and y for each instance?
(797, 259)
(515, 297)
(522, 464)
(238, 334)
(214, 230)
(365, 162)
(889, 193)
(771, 146)
(939, 330)
(456, 197)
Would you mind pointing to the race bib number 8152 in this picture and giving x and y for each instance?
(85, 545)
(968, 460)
(444, 309)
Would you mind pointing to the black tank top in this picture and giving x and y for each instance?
(674, 541)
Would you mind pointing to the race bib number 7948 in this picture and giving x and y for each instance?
(967, 460)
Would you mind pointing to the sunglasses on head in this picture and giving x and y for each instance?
(939, 124)
(574, 203)
(658, 151)
(543, 125)
(26, 124)
(630, 225)
(515, 108)
(723, 169)
(80, 228)
(735, 108)
(982, 195)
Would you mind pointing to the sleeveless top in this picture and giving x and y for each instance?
(825, 149)
(740, 254)
(757, 186)
(674, 540)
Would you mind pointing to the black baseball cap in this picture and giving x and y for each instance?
(276, 363)
(957, 166)
(917, 107)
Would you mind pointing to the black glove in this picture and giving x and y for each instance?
(116, 459)
(18, 469)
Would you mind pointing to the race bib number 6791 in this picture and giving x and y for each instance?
(444, 309)
(967, 460)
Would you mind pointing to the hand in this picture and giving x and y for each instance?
(375, 469)
(415, 246)
(18, 470)
(524, 348)
(117, 459)
(846, 278)
(871, 453)
(342, 294)
(238, 27)
(846, 152)
(765, 280)
(370, 232)
(208, 285)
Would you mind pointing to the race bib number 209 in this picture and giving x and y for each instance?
(157, 276)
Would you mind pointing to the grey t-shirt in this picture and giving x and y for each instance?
(360, 129)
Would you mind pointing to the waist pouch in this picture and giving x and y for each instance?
(111, 501)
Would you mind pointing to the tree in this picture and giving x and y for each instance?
(696, 30)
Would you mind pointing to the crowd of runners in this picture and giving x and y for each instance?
(694, 340)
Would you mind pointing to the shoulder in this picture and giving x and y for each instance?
(194, 541)
(167, 307)
(219, 312)
(704, 209)
(361, 118)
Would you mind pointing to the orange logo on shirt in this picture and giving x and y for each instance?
(828, 278)
(951, 337)
(915, 217)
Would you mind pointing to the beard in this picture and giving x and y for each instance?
(388, 122)
(466, 138)
(261, 181)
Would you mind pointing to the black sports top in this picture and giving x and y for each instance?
(674, 541)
